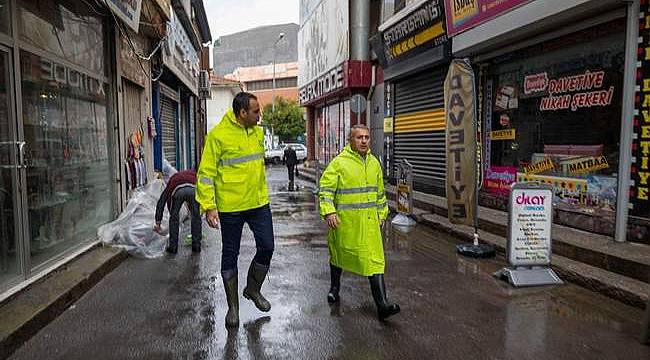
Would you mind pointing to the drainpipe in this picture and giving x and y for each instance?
(359, 29)
(629, 85)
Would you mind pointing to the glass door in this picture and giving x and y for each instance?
(10, 249)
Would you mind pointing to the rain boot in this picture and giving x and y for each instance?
(232, 297)
(256, 276)
(384, 309)
(335, 284)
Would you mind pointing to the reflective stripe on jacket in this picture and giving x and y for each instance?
(231, 175)
(353, 188)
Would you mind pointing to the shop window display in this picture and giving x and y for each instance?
(333, 130)
(64, 106)
(555, 117)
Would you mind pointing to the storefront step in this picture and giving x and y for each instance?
(26, 312)
(622, 288)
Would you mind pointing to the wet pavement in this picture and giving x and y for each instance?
(452, 307)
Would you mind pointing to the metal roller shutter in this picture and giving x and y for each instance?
(168, 110)
(420, 128)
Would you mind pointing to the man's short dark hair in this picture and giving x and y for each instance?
(242, 101)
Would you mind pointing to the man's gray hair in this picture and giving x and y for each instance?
(358, 126)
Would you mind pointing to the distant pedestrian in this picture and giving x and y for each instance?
(353, 203)
(180, 190)
(291, 160)
(232, 190)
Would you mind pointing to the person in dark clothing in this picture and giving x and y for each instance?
(291, 160)
(180, 190)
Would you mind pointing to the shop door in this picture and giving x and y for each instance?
(11, 254)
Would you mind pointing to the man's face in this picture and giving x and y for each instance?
(360, 141)
(252, 116)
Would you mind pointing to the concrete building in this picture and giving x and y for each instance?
(259, 81)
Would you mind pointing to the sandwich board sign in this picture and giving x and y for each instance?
(530, 219)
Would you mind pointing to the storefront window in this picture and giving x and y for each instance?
(556, 117)
(333, 130)
(5, 24)
(68, 29)
(68, 176)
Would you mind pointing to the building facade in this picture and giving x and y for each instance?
(77, 126)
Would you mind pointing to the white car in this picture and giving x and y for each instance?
(276, 155)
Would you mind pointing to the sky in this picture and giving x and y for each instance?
(231, 16)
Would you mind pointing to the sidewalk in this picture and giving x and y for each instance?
(619, 271)
(25, 313)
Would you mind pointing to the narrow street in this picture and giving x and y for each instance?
(452, 308)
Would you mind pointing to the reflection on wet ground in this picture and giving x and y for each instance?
(452, 307)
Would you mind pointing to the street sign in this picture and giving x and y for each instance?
(530, 218)
(358, 103)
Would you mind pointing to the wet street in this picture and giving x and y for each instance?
(452, 308)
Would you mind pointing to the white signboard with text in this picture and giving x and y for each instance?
(323, 38)
(529, 225)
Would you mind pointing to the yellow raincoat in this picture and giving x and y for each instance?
(231, 175)
(353, 187)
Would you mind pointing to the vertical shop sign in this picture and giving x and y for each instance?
(640, 170)
(460, 114)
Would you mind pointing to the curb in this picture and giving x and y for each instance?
(33, 308)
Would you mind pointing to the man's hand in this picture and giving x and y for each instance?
(157, 228)
(212, 217)
(332, 220)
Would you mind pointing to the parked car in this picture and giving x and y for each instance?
(276, 155)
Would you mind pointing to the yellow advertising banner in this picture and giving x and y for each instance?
(507, 134)
(541, 166)
(403, 204)
(460, 115)
(587, 165)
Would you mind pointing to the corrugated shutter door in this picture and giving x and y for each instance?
(420, 128)
(168, 121)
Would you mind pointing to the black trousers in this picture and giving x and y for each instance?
(180, 197)
(291, 169)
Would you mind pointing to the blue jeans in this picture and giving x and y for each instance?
(260, 222)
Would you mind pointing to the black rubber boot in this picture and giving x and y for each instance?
(196, 247)
(172, 248)
(335, 284)
(230, 284)
(384, 309)
(256, 275)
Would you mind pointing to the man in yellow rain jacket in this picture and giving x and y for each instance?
(231, 189)
(353, 203)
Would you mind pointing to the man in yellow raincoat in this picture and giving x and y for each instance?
(231, 189)
(353, 203)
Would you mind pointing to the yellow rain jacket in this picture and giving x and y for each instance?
(353, 187)
(231, 175)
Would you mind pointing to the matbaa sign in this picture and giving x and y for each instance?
(531, 216)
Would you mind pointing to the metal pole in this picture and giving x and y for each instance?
(629, 85)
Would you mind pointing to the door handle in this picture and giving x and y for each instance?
(21, 154)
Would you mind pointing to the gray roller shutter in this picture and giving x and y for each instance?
(168, 109)
(419, 133)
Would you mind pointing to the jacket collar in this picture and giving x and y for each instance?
(230, 116)
(348, 150)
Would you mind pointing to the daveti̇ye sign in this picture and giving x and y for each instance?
(640, 170)
(460, 114)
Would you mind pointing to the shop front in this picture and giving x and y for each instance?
(554, 116)
(555, 105)
(176, 96)
(55, 111)
(414, 53)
